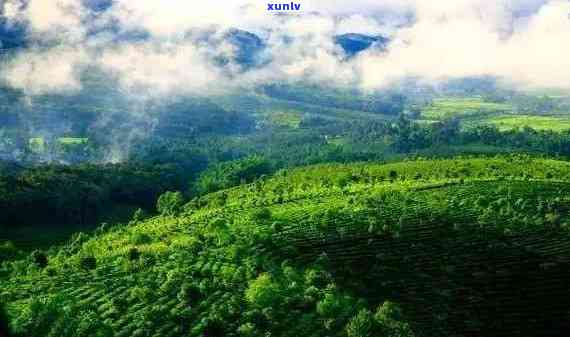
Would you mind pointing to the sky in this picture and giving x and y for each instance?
(525, 43)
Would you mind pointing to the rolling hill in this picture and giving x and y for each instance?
(457, 247)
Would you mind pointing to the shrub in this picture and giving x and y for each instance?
(361, 325)
(79, 238)
(189, 294)
(88, 262)
(262, 291)
(330, 306)
(247, 330)
(77, 241)
(40, 259)
(231, 174)
(90, 325)
(317, 278)
(262, 214)
(170, 203)
(140, 239)
(139, 294)
(277, 227)
(139, 215)
(38, 316)
(336, 308)
(134, 254)
(148, 260)
(102, 228)
(388, 311)
(390, 321)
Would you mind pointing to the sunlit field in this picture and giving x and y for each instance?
(462, 107)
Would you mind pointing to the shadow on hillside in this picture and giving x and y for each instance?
(464, 286)
(4, 331)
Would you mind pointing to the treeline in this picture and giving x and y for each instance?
(80, 194)
(367, 141)
(231, 174)
(405, 136)
(225, 163)
(55, 194)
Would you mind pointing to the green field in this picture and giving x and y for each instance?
(328, 249)
(552, 92)
(290, 119)
(40, 145)
(72, 141)
(37, 145)
(442, 108)
(509, 122)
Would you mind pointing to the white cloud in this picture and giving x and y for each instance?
(539, 54)
(162, 68)
(361, 24)
(59, 19)
(469, 43)
(447, 39)
(11, 10)
(172, 17)
(54, 70)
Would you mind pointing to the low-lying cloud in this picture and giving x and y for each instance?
(174, 46)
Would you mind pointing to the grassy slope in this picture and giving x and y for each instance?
(475, 111)
(508, 122)
(463, 107)
(384, 228)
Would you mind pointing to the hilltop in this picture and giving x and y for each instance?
(417, 248)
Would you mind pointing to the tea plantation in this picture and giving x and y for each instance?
(457, 247)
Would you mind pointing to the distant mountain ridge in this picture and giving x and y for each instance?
(353, 43)
(250, 46)
(11, 36)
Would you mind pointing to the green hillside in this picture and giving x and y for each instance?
(442, 108)
(509, 122)
(417, 248)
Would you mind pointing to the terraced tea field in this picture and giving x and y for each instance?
(464, 246)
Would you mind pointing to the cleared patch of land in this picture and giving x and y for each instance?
(509, 122)
(72, 141)
(291, 119)
(442, 108)
(39, 144)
